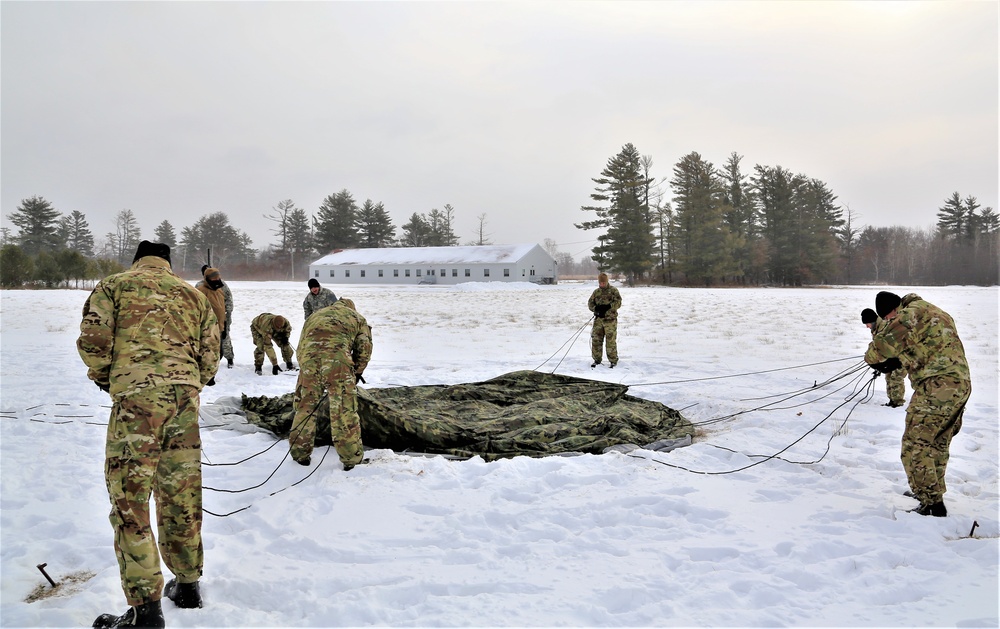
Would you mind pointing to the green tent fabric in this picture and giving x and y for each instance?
(520, 413)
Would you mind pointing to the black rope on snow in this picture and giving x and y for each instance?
(868, 392)
(787, 397)
(294, 430)
(571, 340)
(749, 373)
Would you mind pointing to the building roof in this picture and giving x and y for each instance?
(482, 254)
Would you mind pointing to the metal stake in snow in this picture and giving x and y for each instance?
(974, 525)
(41, 568)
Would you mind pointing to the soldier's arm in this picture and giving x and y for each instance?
(616, 301)
(887, 342)
(361, 350)
(209, 347)
(97, 335)
(228, 294)
(591, 304)
(306, 308)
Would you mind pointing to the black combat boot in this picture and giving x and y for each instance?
(229, 363)
(938, 510)
(289, 366)
(145, 615)
(184, 595)
(258, 369)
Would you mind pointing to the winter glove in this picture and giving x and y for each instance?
(359, 378)
(223, 335)
(275, 370)
(104, 386)
(601, 309)
(888, 366)
(281, 340)
(211, 382)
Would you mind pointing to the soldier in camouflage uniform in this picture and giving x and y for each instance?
(264, 329)
(317, 298)
(227, 295)
(604, 302)
(894, 379)
(151, 341)
(921, 338)
(334, 349)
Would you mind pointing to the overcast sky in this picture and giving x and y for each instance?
(508, 109)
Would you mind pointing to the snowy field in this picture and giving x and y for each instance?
(722, 536)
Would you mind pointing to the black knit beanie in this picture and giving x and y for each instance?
(203, 267)
(886, 302)
(313, 282)
(868, 316)
(147, 248)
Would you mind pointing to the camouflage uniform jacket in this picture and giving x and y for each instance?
(340, 333)
(322, 299)
(263, 326)
(608, 296)
(147, 327)
(924, 339)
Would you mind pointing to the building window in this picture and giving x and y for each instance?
(444, 272)
(347, 272)
(380, 272)
(395, 272)
(331, 273)
(468, 272)
(316, 273)
(532, 272)
(407, 272)
(522, 272)
(506, 272)
(418, 272)
(454, 272)
(486, 272)
(362, 272)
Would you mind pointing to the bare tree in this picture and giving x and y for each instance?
(482, 237)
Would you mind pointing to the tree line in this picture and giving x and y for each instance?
(51, 249)
(770, 226)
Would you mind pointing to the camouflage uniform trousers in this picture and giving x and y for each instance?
(894, 386)
(604, 332)
(933, 417)
(261, 348)
(154, 447)
(317, 376)
(227, 345)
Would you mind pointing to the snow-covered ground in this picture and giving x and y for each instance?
(817, 537)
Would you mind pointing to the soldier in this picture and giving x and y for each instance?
(210, 288)
(921, 338)
(151, 341)
(334, 349)
(894, 379)
(227, 341)
(604, 302)
(317, 298)
(264, 328)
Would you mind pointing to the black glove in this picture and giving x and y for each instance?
(888, 366)
(223, 335)
(211, 382)
(289, 366)
(601, 309)
(359, 378)
(281, 340)
(275, 370)
(104, 386)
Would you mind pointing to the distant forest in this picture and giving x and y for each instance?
(720, 227)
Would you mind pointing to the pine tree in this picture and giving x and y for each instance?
(952, 218)
(336, 223)
(416, 232)
(212, 233)
(742, 219)
(375, 228)
(704, 243)
(627, 244)
(38, 223)
(16, 267)
(77, 235)
(165, 234)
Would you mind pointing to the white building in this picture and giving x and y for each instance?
(436, 265)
